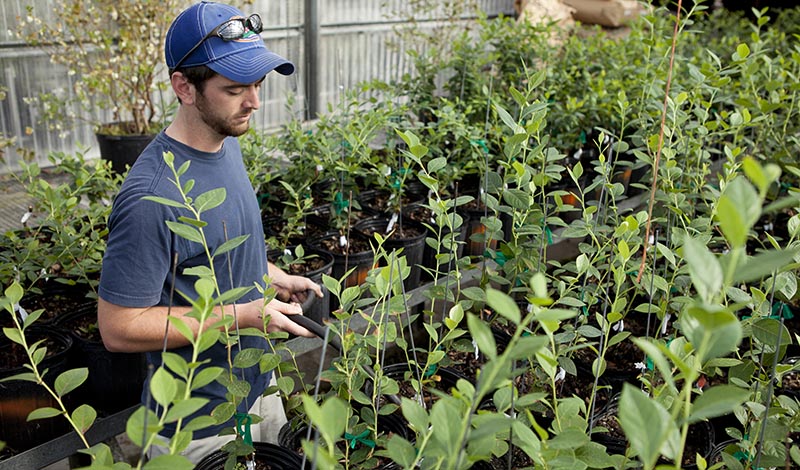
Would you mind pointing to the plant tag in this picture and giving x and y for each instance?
(577, 154)
(561, 375)
(392, 221)
(23, 314)
(387, 171)
(25, 217)
(477, 351)
(618, 326)
(342, 241)
(667, 316)
(287, 252)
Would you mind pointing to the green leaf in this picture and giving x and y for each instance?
(44, 413)
(704, 269)
(436, 164)
(206, 376)
(70, 380)
(711, 329)
(247, 357)
(518, 199)
(185, 231)
(169, 462)
(184, 408)
(503, 305)
(230, 245)
(84, 417)
(482, 335)
(401, 451)
(163, 387)
(415, 414)
(164, 201)
(210, 199)
(474, 293)
(647, 425)
(766, 331)
(717, 401)
(763, 265)
(527, 346)
(737, 210)
(329, 418)
(14, 335)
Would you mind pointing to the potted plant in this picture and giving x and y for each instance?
(115, 51)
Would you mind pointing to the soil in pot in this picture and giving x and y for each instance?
(56, 299)
(19, 398)
(267, 457)
(700, 439)
(356, 253)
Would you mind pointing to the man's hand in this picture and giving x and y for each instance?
(279, 313)
(291, 288)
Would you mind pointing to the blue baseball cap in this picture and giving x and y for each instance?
(245, 60)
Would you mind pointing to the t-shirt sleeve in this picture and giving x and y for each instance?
(137, 258)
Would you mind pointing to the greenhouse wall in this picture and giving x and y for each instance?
(357, 41)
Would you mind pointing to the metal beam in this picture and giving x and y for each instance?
(311, 72)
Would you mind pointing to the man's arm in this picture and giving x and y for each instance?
(126, 329)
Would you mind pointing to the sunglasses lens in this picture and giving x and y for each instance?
(233, 29)
(254, 23)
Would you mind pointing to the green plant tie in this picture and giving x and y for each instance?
(778, 309)
(549, 234)
(339, 204)
(482, 144)
(362, 438)
(243, 422)
(781, 308)
(499, 257)
(583, 137)
(430, 370)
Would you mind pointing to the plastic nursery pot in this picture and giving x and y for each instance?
(410, 237)
(356, 253)
(700, 440)
(267, 456)
(18, 398)
(292, 433)
(115, 379)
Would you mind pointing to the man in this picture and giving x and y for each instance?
(217, 63)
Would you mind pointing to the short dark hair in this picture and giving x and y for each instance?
(197, 76)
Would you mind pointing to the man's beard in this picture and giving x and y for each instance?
(217, 123)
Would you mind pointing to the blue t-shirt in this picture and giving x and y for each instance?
(137, 265)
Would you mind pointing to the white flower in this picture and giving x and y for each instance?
(640, 366)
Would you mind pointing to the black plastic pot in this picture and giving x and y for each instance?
(276, 456)
(122, 150)
(412, 241)
(291, 435)
(115, 379)
(18, 398)
(56, 299)
(701, 434)
(362, 260)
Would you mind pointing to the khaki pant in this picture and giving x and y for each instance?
(270, 408)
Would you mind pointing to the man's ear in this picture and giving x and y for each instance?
(182, 88)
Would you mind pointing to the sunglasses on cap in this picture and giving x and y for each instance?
(236, 28)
